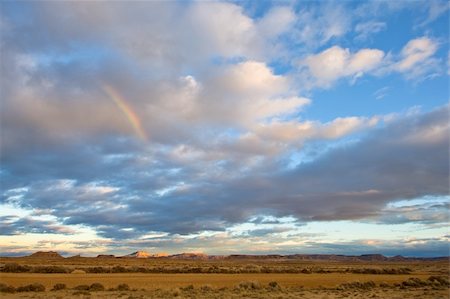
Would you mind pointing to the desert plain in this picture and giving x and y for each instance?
(200, 276)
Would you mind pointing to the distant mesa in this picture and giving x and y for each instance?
(189, 256)
(46, 255)
(160, 254)
(201, 256)
(138, 255)
(398, 258)
(144, 255)
(373, 257)
(106, 256)
(184, 256)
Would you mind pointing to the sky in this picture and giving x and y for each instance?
(225, 127)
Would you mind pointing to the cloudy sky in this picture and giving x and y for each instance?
(225, 127)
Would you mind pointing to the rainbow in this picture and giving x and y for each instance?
(129, 113)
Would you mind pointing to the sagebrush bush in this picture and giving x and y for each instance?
(249, 285)
(414, 282)
(15, 268)
(96, 286)
(206, 288)
(188, 288)
(59, 286)
(119, 269)
(358, 285)
(34, 287)
(82, 287)
(123, 287)
(49, 269)
(441, 280)
(273, 285)
(4, 288)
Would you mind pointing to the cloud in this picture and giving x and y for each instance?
(432, 213)
(335, 63)
(416, 57)
(318, 25)
(415, 61)
(276, 21)
(381, 93)
(13, 225)
(435, 9)
(224, 124)
(310, 130)
(389, 164)
(365, 29)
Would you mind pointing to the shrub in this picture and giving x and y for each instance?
(274, 285)
(81, 293)
(358, 285)
(119, 269)
(441, 280)
(49, 269)
(188, 288)
(206, 288)
(414, 282)
(34, 287)
(123, 287)
(59, 286)
(176, 292)
(249, 285)
(15, 268)
(96, 287)
(97, 270)
(82, 287)
(6, 288)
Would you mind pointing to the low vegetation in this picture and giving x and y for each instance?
(202, 268)
(158, 278)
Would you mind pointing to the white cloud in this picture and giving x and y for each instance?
(278, 20)
(381, 93)
(436, 8)
(415, 52)
(335, 63)
(224, 28)
(364, 30)
(416, 58)
(293, 131)
(415, 61)
(448, 63)
(246, 93)
(316, 27)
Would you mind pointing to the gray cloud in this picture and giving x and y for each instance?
(13, 225)
(353, 181)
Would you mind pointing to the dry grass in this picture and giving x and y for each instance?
(167, 281)
(319, 280)
(235, 293)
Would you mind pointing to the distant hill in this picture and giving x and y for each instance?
(201, 256)
(106, 256)
(46, 255)
(160, 254)
(138, 254)
(189, 256)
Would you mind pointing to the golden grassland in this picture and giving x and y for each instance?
(226, 279)
(166, 281)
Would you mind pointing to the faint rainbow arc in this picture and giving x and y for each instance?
(127, 110)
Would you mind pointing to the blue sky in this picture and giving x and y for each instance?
(225, 127)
